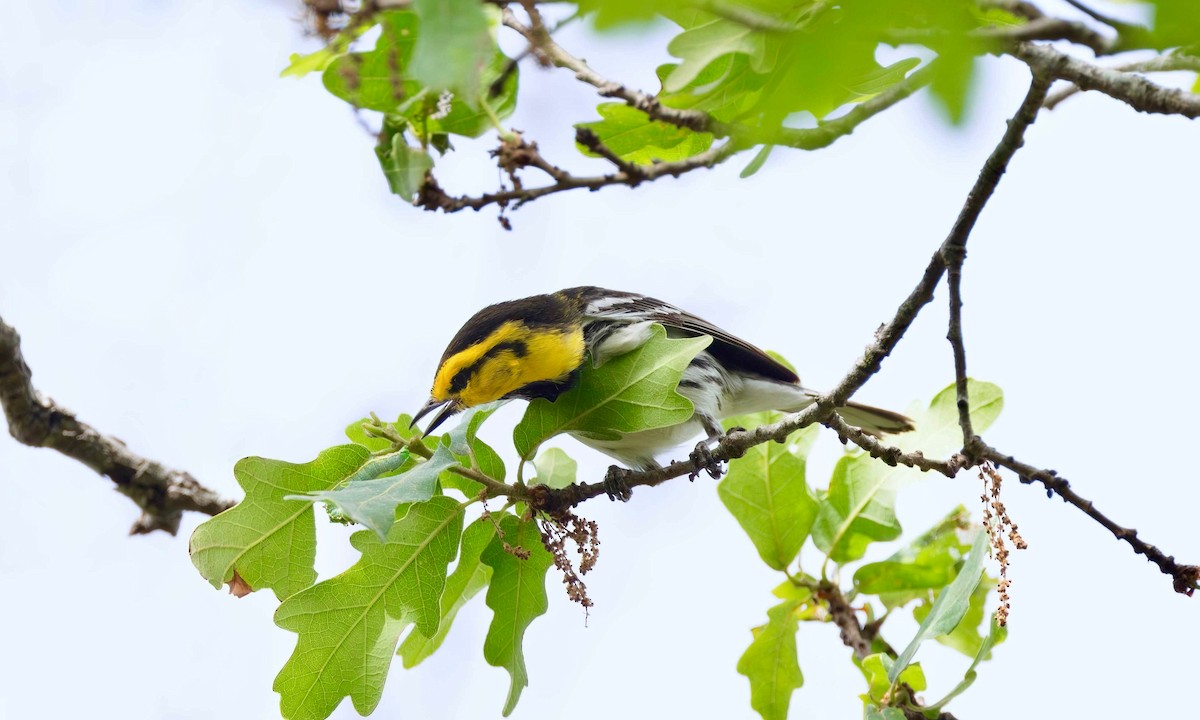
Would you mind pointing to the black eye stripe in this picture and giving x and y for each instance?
(518, 348)
(458, 383)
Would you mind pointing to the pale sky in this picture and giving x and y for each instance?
(203, 260)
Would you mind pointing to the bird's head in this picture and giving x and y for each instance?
(522, 348)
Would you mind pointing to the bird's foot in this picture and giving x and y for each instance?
(616, 484)
(702, 459)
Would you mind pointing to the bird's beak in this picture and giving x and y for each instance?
(449, 407)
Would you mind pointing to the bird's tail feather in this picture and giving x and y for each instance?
(875, 421)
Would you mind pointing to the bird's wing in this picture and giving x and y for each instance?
(732, 351)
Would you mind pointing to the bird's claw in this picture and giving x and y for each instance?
(616, 484)
(702, 459)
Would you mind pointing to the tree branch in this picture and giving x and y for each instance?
(1186, 577)
(433, 197)
(1133, 90)
(162, 493)
(1163, 63)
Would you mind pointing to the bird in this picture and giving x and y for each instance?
(535, 347)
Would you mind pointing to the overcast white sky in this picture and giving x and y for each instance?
(203, 260)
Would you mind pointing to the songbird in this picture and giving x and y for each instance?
(536, 346)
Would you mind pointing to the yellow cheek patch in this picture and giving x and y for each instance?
(510, 358)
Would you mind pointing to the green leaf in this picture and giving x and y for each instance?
(882, 79)
(555, 469)
(760, 159)
(726, 89)
(952, 75)
(348, 625)
(454, 46)
(473, 452)
(268, 541)
(358, 436)
(468, 117)
(403, 166)
(929, 562)
(517, 595)
(633, 136)
(888, 713)
(607, 14)
(950, 606)
(636, 391)
(965, 637)
(996, 635)
(859, 507)
(770, 662)
(766, 491)
(467, 429)
(698, 47)
(875, 669)
(469, 577)
(1176, 22)
(373, 502)
(301, 65)
(382, 80)
(376, 80)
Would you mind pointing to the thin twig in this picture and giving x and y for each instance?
(1119, 25)
(1186, 578)
(955, 335)
(432, 197)
(592, 142)
(163, 494)
(891, 454)
(1042, 28)
(547, 48)
(954, 250)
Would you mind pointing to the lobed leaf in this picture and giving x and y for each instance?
(348, 625)
(266, 540)
(516, 596)
(372, 500)
(770, 662)
(469, 577)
